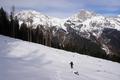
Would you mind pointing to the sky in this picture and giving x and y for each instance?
(64, 8)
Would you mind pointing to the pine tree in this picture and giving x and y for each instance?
(4, 23)
(37, 34)
(23, 34)
(16, 26)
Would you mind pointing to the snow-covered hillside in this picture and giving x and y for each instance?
(21, 60)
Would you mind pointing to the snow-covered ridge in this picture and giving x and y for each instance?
(91, 22)
(84, 16)
(83, 21)
(38, 18)
(21, 60)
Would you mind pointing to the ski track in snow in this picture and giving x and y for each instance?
(21, 60)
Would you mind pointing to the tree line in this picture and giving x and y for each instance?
(9, 26)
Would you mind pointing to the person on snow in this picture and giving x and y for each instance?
(71, 64)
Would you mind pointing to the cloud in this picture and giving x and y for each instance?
(37, 3)
(63, 7)
(108, 3)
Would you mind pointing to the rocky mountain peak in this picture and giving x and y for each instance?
(83, 15)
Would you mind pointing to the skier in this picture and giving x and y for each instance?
(75, 72)
(71, 64)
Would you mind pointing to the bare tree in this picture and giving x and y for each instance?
(12, 21)
(30, 21)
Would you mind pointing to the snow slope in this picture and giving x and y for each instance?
(20, 60)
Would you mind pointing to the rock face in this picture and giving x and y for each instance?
(111, 38)
(85, 32)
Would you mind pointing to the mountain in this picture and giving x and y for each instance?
(90, 25)
(38, 18)
(85, 32)
(21, 60)
(100, 29)
(86, 21)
